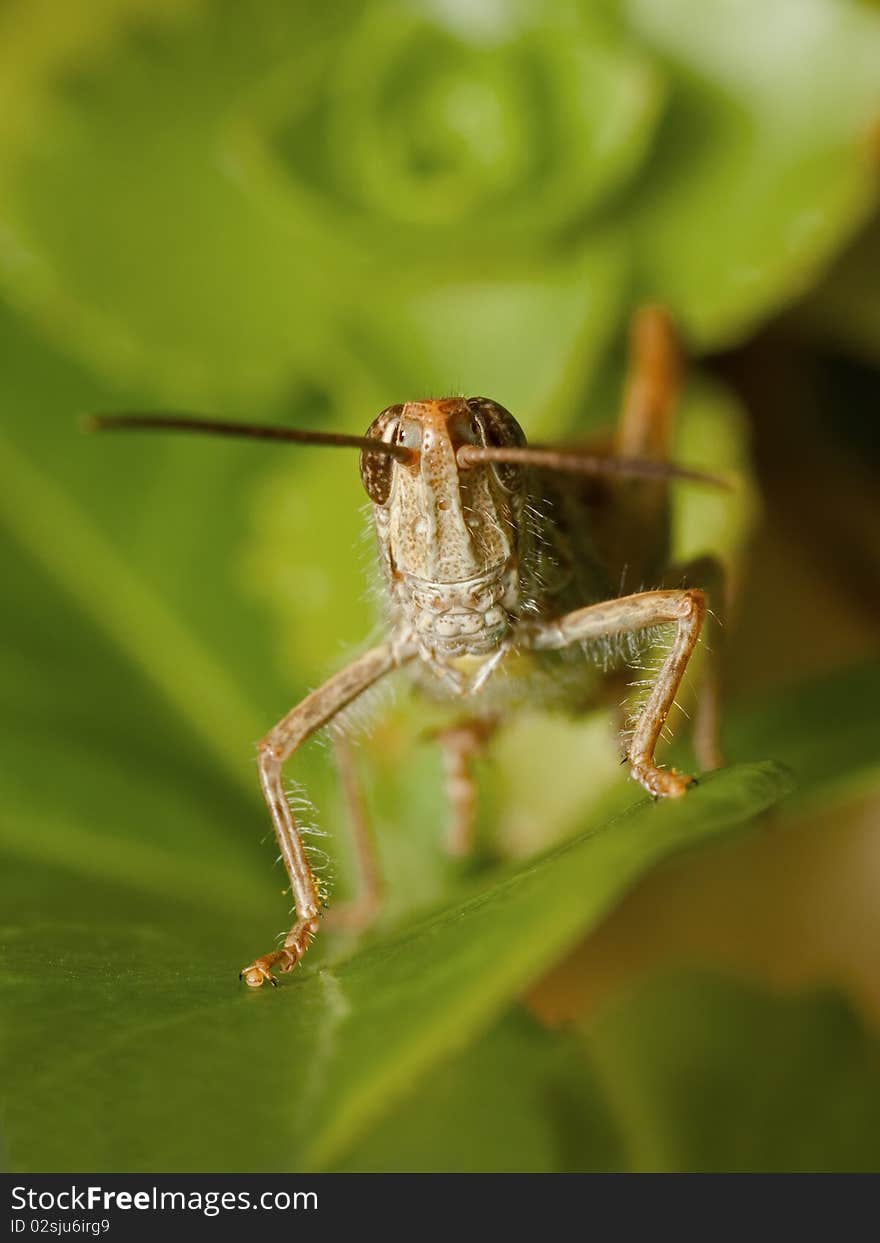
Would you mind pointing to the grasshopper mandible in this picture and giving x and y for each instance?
(499, 557)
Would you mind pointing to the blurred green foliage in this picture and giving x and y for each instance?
(302, 213)
(656, 1084)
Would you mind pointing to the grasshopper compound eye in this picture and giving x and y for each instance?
(498, 429)
(376, 467)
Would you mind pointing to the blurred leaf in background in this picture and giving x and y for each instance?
(284, 212)
(692, 1072)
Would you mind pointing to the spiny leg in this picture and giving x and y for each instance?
(709, 572)
(460, 745)
(315, 711)
(629, 615)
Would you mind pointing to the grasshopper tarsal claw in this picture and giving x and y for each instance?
(260, 970)
(297, 942)
(662, 782)
(256, 975)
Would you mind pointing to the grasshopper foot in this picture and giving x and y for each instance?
(661, 782)
(259, 972)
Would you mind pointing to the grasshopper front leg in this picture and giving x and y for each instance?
(710, 572)
(315, 711)
(627, 615)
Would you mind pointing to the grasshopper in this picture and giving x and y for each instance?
(505, 567)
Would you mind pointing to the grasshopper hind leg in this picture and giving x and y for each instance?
(644, 428)
(630, 518)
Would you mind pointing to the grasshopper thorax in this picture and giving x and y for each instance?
(449, 536)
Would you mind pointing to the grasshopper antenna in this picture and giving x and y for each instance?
(137, 422)
(655, 361)
(568, 461)
(572, 461)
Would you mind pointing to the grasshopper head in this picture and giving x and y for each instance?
(448, 533)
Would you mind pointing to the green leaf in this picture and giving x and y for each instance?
(211, 200)
(826, 730)
(249, 195)
(763, 165)
(703, 1073)
(519, 1099)
(842, 311)
(148, 1003)
(690, 1071)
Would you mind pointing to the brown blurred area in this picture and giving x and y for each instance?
(799, 905)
